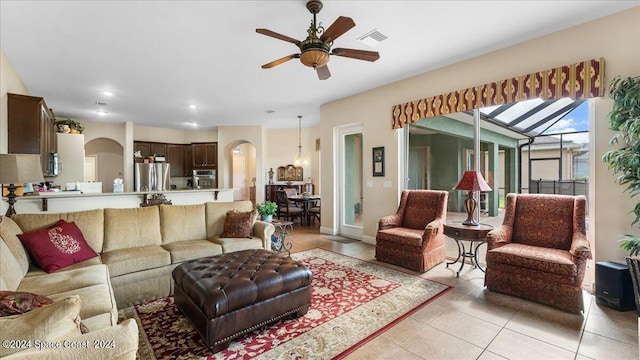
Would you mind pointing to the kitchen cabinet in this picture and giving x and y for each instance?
(148, 148)
(143, 147)
(179, 156)
(159, 149)
(205, 155)
(31, 128)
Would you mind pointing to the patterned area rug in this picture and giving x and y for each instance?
(353, 301)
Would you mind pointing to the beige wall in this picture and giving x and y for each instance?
(175, 136)
(283, 148)
(10, 82)
(615, 38)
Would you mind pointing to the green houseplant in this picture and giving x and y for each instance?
(266, 210)
(624, 161)
(69, 126)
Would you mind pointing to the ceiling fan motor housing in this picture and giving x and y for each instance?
(314, 52)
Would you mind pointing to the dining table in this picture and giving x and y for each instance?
(306, 201)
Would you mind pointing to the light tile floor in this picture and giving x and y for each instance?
(470, 322)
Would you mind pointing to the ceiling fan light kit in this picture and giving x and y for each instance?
(315, 50)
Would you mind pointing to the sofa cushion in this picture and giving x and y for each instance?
(216, 213)
(34, 270)
(50, 323)
(58, 246)
(133, 227)
(237, 244)
(125, 261)
(65, 280)
(20, 302)
(90, 222)
(401, 235)
(10, 271)
(91, 283)
(546, 260)
(191, 249)
(182, 222)
(238, 224)
(9, 231)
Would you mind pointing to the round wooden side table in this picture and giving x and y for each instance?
(473, 234)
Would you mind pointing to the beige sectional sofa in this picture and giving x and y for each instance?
(138, 248)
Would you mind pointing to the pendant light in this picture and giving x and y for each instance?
(300, 158)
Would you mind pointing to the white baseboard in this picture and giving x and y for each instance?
(328, 231)
(369, 239)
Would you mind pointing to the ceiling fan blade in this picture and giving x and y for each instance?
(323, 72)
(339, 27)
(280, 61)
(278, 36)
(356, 54)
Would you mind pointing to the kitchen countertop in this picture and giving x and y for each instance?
(73, 193)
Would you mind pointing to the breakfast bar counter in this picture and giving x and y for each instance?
(75, 201)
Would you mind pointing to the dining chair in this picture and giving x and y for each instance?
(285, 209)
(314, 211)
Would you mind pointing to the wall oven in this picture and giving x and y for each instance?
(204, 179)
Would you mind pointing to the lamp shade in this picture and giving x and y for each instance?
(472, 181)
(20, 168)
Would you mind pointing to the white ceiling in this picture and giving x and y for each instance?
(157, 57)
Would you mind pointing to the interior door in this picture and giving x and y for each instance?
(351, 182)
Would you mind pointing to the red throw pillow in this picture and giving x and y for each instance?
(238, 224)
(57, 246)
(19, 302)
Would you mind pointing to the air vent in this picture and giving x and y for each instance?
(100, 103)
(372, 38)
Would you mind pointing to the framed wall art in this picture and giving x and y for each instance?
(290, 173)
(378, 161)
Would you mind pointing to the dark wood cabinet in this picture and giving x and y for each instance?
(205, 155)
(31, 128)
(143, 147)
(270, 190)
(159, 149)
(179, 156)
(188, 160)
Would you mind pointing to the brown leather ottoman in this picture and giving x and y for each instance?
(229, 295)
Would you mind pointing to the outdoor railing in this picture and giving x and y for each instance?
(562, 187)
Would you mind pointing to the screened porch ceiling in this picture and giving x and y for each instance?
(520, 120)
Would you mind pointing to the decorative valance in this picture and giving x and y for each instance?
(582, 80)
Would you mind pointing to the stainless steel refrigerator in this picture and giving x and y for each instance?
(152, 177)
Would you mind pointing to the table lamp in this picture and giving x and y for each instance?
(17, 169)
(471, 181)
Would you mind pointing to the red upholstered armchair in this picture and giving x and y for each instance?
(413, 238)
(540, 251)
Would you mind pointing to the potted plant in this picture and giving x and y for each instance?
(69, 126)
(624, 119)
(266, 210)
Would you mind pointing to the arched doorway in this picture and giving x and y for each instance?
(243, 170)
(104, 161)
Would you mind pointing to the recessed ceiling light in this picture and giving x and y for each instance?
(101, 112)
(193, 106)
(107, 93)
(191, 123)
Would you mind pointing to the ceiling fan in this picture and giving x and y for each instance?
(316, 48)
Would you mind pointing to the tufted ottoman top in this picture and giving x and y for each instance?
(224, 283)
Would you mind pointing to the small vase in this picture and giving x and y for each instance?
(267, 218)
